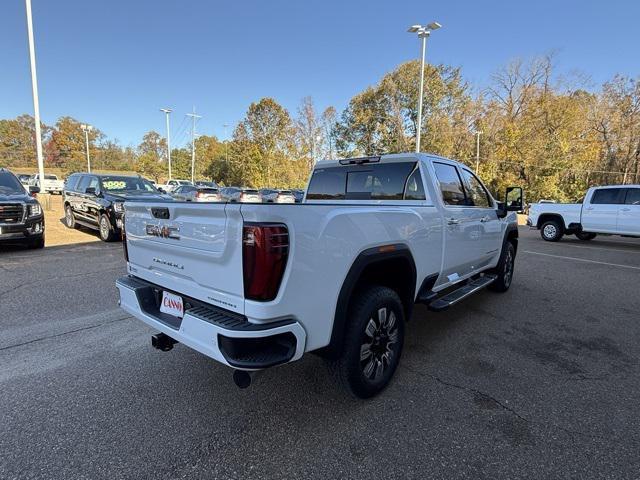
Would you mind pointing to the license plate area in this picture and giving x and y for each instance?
(172, 304)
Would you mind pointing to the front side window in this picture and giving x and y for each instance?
(633, 196)
(450, 184)
(477, 196)
(608, 196)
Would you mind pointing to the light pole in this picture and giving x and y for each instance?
(86, 129)
(423, 33)
(478, 133)
(194, 117)
(167, 111)
(34, 88)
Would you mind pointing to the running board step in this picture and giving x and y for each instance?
(464, 291)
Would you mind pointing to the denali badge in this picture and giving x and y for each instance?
(164, 231)
(167, 263)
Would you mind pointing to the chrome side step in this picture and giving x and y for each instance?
(461, 293)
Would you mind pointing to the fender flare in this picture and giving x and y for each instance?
(366, 258)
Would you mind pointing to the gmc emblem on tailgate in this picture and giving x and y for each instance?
(163, 231)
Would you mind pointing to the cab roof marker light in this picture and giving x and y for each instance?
(360, 160)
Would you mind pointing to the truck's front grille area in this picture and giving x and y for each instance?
(11, 213)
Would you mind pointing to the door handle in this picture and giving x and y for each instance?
(626, 209)
(589, 208)
(453, 221)
(486, 218)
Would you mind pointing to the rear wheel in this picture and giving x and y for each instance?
(373, 342)
(106, 230)
(551, 231)
(585, 236)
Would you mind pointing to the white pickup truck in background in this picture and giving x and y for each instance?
(51, 183)
(613, 209)
(258, 285)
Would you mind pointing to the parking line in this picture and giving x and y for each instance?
(601, 248)
(583, 260)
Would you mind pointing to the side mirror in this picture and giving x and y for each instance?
(33, 190)
(513, 201)
(90, 190)
(161, 190)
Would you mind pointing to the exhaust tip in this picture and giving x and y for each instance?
(242, 379)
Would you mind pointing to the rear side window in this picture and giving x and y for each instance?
(608, 196)
(83, 183)
(450, 184)
(72, 182)
(477, 196)
(633, 196)
(414, 189)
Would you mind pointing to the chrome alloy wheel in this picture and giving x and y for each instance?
(379, 349)
(69, 217)
(508, 268)
(550, 231)
(105, 228)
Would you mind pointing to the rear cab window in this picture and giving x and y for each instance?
(383, 181)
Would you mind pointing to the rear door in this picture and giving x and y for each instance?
(601, 213)
(629, 213)
(192, 249)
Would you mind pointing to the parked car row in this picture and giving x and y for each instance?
(204, 191)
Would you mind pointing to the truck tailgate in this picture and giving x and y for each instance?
(188, 248)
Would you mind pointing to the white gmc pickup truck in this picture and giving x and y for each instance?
(614, 210)
(258, 285)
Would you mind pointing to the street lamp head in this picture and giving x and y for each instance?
(414, 28)
(166, 110)
(434, 26)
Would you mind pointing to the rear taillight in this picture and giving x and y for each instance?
(199, 194)
(124, 241)
(265, 249)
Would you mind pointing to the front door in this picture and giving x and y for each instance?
(629, 213)
(465, 246)
(601, 213)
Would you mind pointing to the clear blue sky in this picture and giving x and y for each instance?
(113, 63)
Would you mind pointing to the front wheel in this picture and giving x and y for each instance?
(504, 269)
(373, 342)
(106, 231)
(551, 231)
(585, 236)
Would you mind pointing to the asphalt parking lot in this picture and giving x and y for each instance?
(540, 382)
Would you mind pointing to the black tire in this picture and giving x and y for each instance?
(551, 231)
(69, 218)
(105, 229)
(585, 236)
(504, 269)
(365, 367)
(37, 244)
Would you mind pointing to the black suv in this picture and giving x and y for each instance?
(21, 217)
(97, 201)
